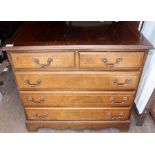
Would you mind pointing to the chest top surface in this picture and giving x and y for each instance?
(77, 35)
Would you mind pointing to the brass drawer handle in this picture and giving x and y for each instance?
(111, 65)
(124, 99)
(44, 115)
(126, 83)
(115, 117)
(38, 82)
(36, 61)
(32, 101)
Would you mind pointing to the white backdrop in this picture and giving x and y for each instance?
(147, 82)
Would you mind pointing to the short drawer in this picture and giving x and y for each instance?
(77, 80)
(100, 114)
(111, 60)
(76, 99)
(43, 60)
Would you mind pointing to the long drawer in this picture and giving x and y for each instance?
(111, 60)
(77, 99)
(73, 114)
(43, 60)
(77, 80)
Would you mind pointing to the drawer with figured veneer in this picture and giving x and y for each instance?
(77, 80)
(76, 99)
(111, 60)
(43, 60)
(78, 114)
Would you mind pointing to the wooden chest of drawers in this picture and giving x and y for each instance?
(76, 86)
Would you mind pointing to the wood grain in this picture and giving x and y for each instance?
(76, 85)
(60, 35)
(77, 80)
(12, 118)
(77, 98)
(59, 60)
(123, 126)
(96, 60)
(78, 114)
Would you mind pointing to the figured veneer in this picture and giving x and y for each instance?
(77, 80)
(111, 60)
(77, 98)
(77, 77)
(77, 114)
(43, 60)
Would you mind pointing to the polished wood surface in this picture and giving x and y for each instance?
(78, 125)
(111, 60)
(87, 114)
(12, 118)
(77, 98)
(75, 60)
(77, 80)
(103, 35)
(70, 73)
(43, 60)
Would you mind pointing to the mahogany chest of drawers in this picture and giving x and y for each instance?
(77, 77)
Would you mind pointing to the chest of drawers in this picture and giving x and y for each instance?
(75, 85)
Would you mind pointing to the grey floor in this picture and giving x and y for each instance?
(12, 118)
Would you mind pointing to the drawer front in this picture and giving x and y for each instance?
(82, 114)
(77, 99)
(77, 80)
(43, 60)
(111, 60)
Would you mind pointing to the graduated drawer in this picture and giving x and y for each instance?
(43, 60)
(77, 80)
(76, 99)
(102, 114)
(111, 60)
